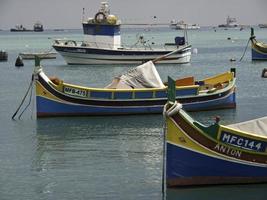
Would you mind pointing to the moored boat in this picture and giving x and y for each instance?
(3, 55)
(258, 49)
(230, 23)
(38, 27)
(138, 91)
(262, 25)
(42, 55)
(217, 154)
(19, 28)
(181, 25)
(102, 44)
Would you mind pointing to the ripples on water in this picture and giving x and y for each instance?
(112, 157)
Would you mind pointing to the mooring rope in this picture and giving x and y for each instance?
(27, 92)
(245, 50)
(29, 103)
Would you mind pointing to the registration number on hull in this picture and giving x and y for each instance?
(75, 91)
(243, 142)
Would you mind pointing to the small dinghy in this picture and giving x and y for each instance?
(41, 55)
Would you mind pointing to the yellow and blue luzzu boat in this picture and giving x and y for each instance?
(258, 49)
(216, 154)
(57, 98)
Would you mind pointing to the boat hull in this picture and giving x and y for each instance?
(258, 55)
(188, 167)
(51, 102)
(51, 107)
(78, 55)
(258, 50)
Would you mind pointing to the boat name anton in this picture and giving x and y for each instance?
(228, 150)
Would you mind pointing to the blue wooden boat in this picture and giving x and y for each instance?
(258, 49)
(206, 155)
(54, 97)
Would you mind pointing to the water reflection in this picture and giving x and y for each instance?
(105, 151)
(230, 192)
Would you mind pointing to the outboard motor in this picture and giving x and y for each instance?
(179, 41)
(19, 62)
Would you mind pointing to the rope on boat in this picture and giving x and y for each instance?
(24, 98)
(169, 54)
(172, 110)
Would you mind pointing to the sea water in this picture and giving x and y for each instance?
(113, 157)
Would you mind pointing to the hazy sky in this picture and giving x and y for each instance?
(68, 13)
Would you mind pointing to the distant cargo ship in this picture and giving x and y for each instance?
(230, 23)
(37, 27)
(263, 25)
(19, 28)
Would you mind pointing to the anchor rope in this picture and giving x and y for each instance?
(245, 50)
(29, 103)
(24, 98)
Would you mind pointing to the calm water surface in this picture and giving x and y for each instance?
(118, 157)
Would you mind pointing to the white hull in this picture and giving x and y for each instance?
(86, 55)
(76, 58)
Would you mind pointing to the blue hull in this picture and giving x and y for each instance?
(256, 55)
(184, 164)
(47, 107)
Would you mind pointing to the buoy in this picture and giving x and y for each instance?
(195, 51)
(19, 62)
(264, 73)
(232, 59)
(228, 38)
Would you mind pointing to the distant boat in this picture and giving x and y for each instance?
(181, 25)
(19, 28)
(42, 55)
(230, 23)
(173, 24)
(263, 25)
(102, 44)
(38, 27)
(59, 29)
(3, 55)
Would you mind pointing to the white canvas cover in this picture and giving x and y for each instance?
(256, 126)
(143, 76)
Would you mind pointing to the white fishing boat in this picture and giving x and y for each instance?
(102, 44)
(173, 24)
(181, 25)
